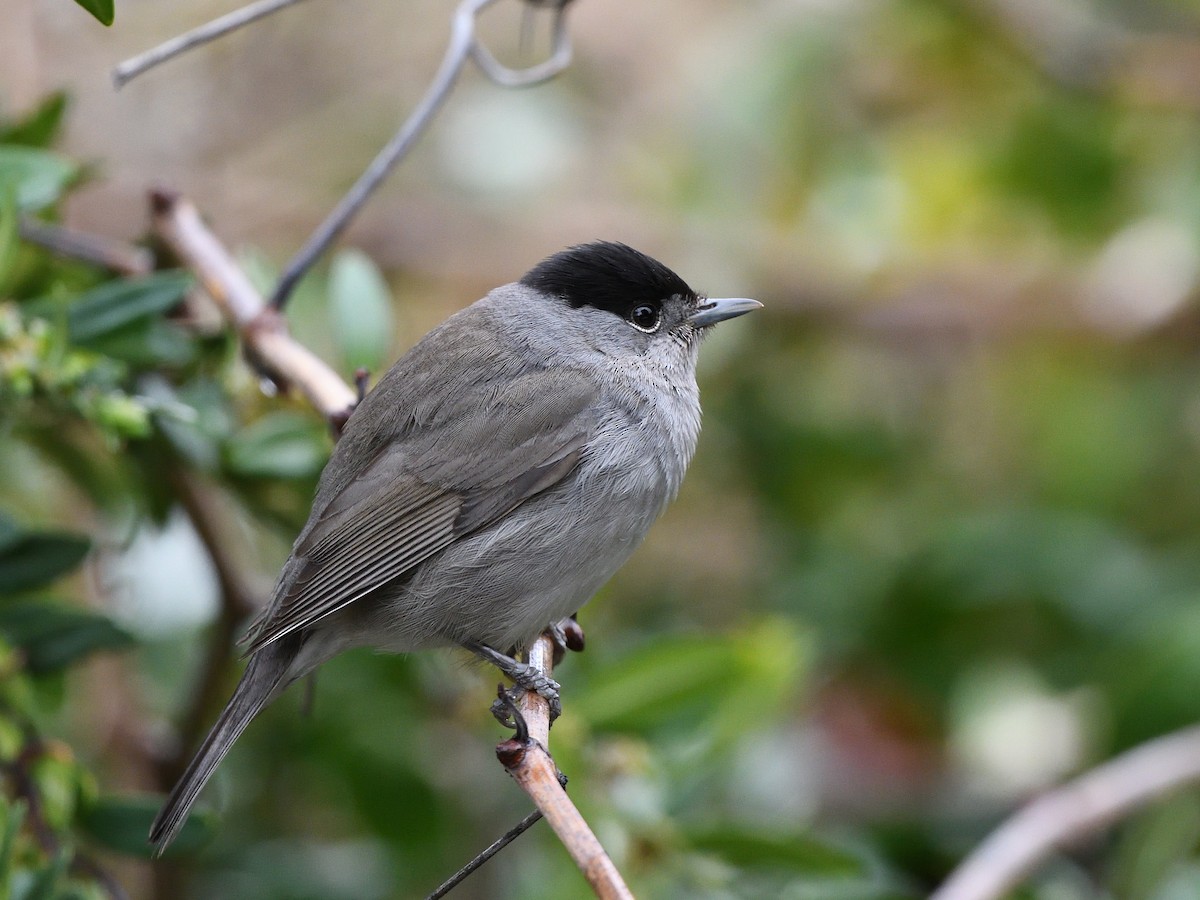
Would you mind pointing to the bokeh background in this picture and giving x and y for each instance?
(939, 546)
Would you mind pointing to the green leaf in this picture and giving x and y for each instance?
(280, 445)
(726, 682)
(799, 852)
(101, 9)
(32, 559)
(53, 636)
(360, 310)
(122, 823)
(117, 304)
(39, 128)
(14, 816)
(146, 343)
(36, 177)
(9, 217)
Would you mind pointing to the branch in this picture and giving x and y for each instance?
(268, 346)
(236, 604)
(1068, 813)
(114, 255)
(529, 762)
(197, 37)
(464, 45)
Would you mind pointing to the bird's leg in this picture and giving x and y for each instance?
(523, 675)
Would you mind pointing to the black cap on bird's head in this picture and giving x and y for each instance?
(606, 275)
(616, 278)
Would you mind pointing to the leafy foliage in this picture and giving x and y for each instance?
(937, 551)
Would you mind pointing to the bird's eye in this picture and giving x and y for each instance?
(644, 317)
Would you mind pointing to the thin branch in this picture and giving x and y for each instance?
(235, 604)
(197, 37)
(116, 256)
(463, 45)
(1066, 814)
(492, 849)
(268, 346)
(528, 761)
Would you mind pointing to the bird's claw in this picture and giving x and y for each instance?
(528, 680)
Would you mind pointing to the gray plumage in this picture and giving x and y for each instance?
(492, 481)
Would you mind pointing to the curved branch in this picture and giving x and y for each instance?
(1068, 813)
(464, 45)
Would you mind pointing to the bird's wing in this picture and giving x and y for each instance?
(512, 440)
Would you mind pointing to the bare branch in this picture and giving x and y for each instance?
(269, 347)
(116, 256)
(492, 849)
(235, 604)
(464, 45)
(197, 37)
(529, 762)
(1068, 813)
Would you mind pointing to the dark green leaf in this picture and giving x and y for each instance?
(39, 128)
(281, 445)
(53, 636)
(101, 9)
(14, 817)
(729, 680)
(10, 532)
(31, 559)
(118, 304)
(36, 177)
(9, 216)
(800, 852)
(122, 823)
(146, 343)
(360, 310)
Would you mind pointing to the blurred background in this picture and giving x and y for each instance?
(939, 546)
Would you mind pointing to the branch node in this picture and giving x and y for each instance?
(163, 200)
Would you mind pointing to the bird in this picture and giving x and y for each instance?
(489, 484)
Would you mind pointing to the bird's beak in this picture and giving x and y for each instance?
(718, 309)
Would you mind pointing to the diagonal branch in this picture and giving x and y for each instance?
(236, 603)
(464, 45)
(1072, 811)
(268, 346)
(197, 37)
(96, 249)
(529, 762)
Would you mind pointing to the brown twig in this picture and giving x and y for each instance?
(268, 346)
(99, 250)
(235, 604)
(529, 762)
(1071, 812)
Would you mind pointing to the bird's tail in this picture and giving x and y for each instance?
(265, 675)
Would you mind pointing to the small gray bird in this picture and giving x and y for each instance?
(495, 478)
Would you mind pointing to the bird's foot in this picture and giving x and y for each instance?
(524, 677)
